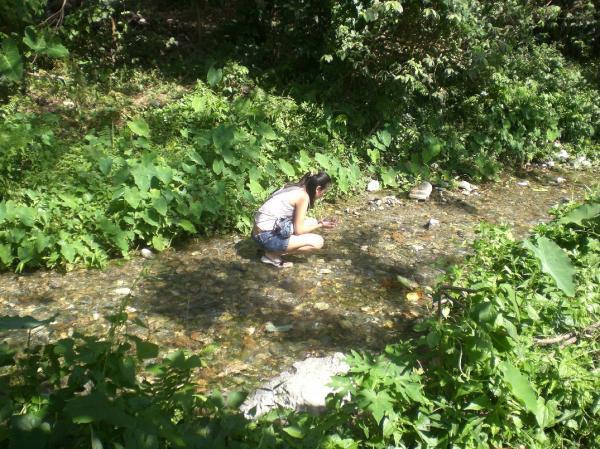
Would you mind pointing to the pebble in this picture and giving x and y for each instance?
(147, 253)
(321, 306)
(122, 291)
(464, 185)
(421, 192)
(523, 183)
(432, 223)
(364, 247)
(560, 180)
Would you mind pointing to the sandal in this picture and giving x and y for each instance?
(276, 262)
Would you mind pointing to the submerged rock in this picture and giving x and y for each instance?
(303, 388)
(421, 192)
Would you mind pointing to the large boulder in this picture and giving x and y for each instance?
(303, 388)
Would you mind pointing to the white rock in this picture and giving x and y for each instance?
(364, 248)
(421, 192)
(303, 388)
(562, 155)
(581, 162)
(373, 186)
(464, 185)
(123, 291)
(523, 183)
(550, 163)
(432, 223)
(560, 180)
(147, 253)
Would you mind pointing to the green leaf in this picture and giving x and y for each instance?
(68, 251)
(197, 104)
(223, 136)
(105, 164)
(132, 196)
(159, 242)
(265, 131)
(388, 177)
(187, 226)
(384, 137)
(33, 40)
(214, 76)
(286, 168)
(95, 441)
(22, 322)
(144, 349)
(11, 65)
(555, 262)
(582, 213)
(55, 49)
(6, 256)
(139, 127)
(521, 388)
(433, 147)
(294, 431)
(161, 206)
(323, 160)
(218, 166)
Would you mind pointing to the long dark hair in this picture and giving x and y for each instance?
(311, 182)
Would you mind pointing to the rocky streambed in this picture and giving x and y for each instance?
(250, 320)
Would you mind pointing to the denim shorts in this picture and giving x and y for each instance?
(271, 241)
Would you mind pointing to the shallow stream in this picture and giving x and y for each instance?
(252, 320)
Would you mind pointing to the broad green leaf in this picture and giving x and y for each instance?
(132, 196)
(552, 134)
(139, 127)
(388, 176)
(22, 322)
(323, 160)
(144, 349)
(105, 164)
(33, 40)
(11, 65)
(218, 166)
(142, 175)
(197, 104)
(384, 137)
(164, 173)
(584, 212)
(294, 431)
(68, 251)
(159, 242)
(286, 168)
(96, 407)
(26, 215)
(223, 136)
(432, 148)
(214, 76)
(188, 226)
(55, 49)
(555, 262)
(265, 131)
(521, 388)
(6, 255)
(95, 441)
(161, 206)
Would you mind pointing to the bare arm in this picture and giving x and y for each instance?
(300, 208)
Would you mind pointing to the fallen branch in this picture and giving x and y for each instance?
(568, 338)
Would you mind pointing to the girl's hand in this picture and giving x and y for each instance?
(328, 224)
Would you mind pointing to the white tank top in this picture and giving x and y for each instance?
(276, 207)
